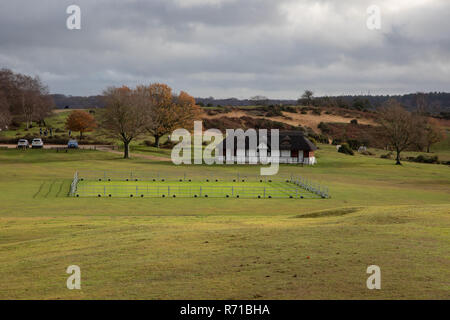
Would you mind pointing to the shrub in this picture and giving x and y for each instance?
(354, 144)
(424, 159)
(387, 155)
(15, 124)
(312, 140)
(317, 138)
(274, 112)
(324, 127)
(289, 109)
(168, 144)
(336, 142)
(345, 149)
(354, 121)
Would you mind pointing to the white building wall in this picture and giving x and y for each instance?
(254, 159)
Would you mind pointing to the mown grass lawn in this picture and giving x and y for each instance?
(395, 217)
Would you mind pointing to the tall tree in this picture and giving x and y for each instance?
(422, 106)
(166, 112)
(43, 109)
(398, 125)
(5, 115)
(8, 85)
(432, 133)
(27, 97)
(123, 117)
(31, 99)
(187, 110)
(259, 100)
(307, 97)
(162, 117)
(80, 121)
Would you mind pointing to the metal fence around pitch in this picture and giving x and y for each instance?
(175, 176)
(311, 186)
(295, 187)
(174, 191)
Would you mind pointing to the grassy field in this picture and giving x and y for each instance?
(396, 217)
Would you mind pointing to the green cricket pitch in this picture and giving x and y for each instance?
(193, 189)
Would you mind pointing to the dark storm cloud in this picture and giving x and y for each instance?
(229, 47)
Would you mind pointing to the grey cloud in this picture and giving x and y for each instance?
(230, 48)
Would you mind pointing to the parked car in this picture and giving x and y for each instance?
(23, 144)
(72, 144)
(37, 143)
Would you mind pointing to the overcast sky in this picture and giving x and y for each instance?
(231, 48)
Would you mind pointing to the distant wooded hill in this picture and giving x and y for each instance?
(77, 102)
(434, 102)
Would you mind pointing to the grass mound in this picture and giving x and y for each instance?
(329, 213)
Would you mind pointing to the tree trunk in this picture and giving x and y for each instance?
(81, 135)
(428, 148)
(157, 141)
(398, 158)
(126, 149)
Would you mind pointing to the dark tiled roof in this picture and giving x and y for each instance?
(289, 140)
(295, 140)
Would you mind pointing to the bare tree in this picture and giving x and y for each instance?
(43, 108)
(307, 97)
(422, 106)
(27, 97)
(32, 100)
(259, 100)
(5, 115)
(398, 125)
(123, 116)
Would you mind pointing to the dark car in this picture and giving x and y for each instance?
(72, 144)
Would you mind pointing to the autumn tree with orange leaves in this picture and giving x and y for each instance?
(80, 121)
(152, 109)
(167, 112)
(432, 134)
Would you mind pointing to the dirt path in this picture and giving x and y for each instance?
(97, 147)
(51, 146)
